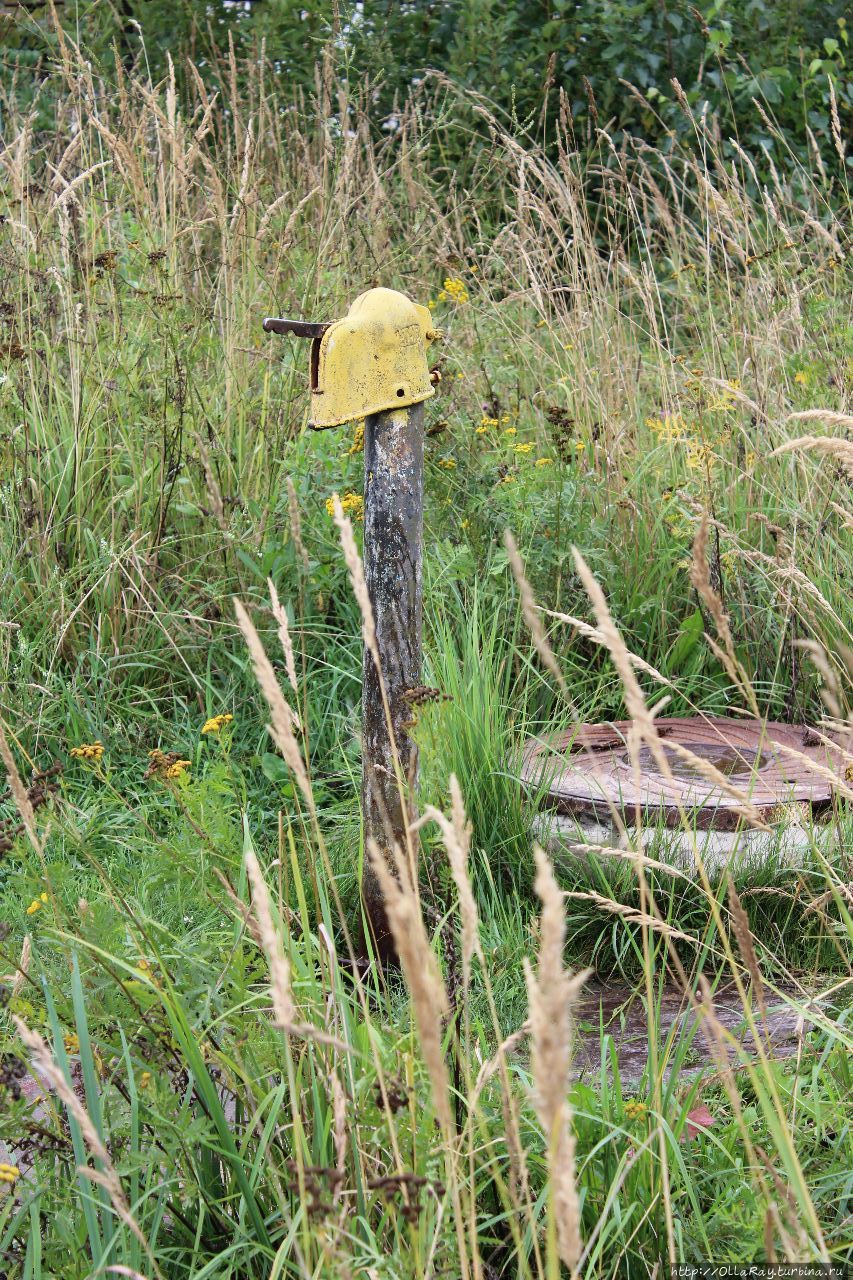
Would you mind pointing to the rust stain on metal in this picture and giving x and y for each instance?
(589, 770)
(373, 360)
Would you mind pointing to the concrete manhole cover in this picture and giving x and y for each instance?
(588, 771)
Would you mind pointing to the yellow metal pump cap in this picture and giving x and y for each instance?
(373, 360)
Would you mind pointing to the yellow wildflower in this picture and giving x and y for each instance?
(750, 460)
(9, 1173)
(511, 431)
(635, 1110)
(168, 765)
(580, 445)
(88, 751)
(464, 524)
(801, 378)
(71, 1042)
(357, 445)
(178, 769)
(506, 417)
(480, 431)
(37, 904)
(670, 427)
(508, 479)
(454, 290)
(449, 464)
(486, 421)
(216, 723)
(523, 448)
(699, 456)
(145, 1079)
(544, 462)
(352, 504)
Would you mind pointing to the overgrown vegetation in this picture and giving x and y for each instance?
(642, 342)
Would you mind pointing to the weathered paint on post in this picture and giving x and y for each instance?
(393, 538)
(372, 365)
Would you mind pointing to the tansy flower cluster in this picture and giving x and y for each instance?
(37, 904)
(699, 456)
(88, 751)
(352, 504)
(726, 400)
(670, 427)
(455, 290)
(216, 723)
(71, 1042)
(9, 1173)
(449, 464)
(635, 1110)
(166, 765)
(357, 445)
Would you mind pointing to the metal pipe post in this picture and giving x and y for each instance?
(393, 539)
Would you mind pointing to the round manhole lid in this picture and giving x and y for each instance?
(589, 770)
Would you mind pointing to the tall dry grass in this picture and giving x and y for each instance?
(145, 227)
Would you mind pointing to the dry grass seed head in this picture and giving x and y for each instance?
(284, 1013)
(643, 726)
(551, 994)
(700, 577)
(743, 933)
(282, 716)
(531, 615)
(280, 615)
(19, 792)
(456, 835)
(108, 1178)
(296, 524)
(632, 914)
(827, 446)
(356, 573)
(420, 969)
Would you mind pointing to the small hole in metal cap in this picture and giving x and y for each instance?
(401, 391)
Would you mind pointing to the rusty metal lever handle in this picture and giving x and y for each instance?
(299, 328)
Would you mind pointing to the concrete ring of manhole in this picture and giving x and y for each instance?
(588, 770)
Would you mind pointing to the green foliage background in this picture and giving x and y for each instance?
(522, 56)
